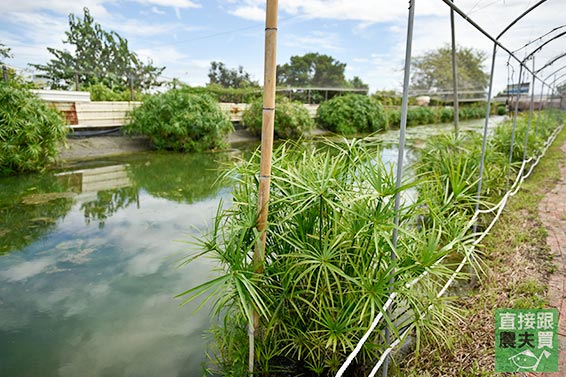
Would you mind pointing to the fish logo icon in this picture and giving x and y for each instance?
(528, 360)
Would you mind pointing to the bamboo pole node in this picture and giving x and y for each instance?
(271, 28)
(269, 109)
(264, 176)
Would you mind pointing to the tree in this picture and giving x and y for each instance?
(434, 69)
(99, 57)
(312, 69)
(4, 53)
(357, 83)
(229, 78)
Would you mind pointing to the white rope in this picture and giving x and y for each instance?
(366, 335)
(499, 207)
(388, 351)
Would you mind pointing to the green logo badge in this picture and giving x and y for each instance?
(526, 340)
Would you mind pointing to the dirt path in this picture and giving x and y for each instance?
(552, 212)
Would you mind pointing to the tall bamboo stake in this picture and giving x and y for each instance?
(270, 69)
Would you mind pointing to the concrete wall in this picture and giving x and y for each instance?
(80, 112)
(62, 96)
(103, 114)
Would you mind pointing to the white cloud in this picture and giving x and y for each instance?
(161, 55)
(139, 28)
(250, 13)
(315, 41)
(63, 7)
(181, 4)
(367, 11)
(157, 11)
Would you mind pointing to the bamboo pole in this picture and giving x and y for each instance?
(270, 69)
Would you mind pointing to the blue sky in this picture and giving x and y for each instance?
(186, 35)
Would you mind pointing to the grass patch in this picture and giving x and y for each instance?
(518, 263)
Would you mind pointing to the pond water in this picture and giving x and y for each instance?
(89, 267)
(89, 264)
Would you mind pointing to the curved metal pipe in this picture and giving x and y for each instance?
(541, 37)
(555, 72)
(545, 43)
(489, 36)
(520, 17)
(551, 61)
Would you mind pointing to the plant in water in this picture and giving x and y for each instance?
(449, 166)
(180, 121)
(30, 132)
(292, 119)
(328, 263)
(538, 132)
(351, 114)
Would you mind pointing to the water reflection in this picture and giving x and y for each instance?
(103, 190)
(29, 209)
(89, 290)
(190, 179)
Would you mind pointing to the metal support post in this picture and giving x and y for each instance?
(539, 107)
(515, 115)
(531, 110)
(454, 73)
(401, 151)
(486, 124)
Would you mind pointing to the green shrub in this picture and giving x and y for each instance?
(100, 92)
(449, 165)
(393, 118)
(30, 132)
(222, 94)
(475, 112)
(501, 110)
(327, 265)
(387, 98)
(292, 119)
(180, 121)
(446, 114)
(420, 115)
(538, 133)
(351, 114)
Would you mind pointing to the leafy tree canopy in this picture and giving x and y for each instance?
(357, 83)
(98, 56)
(219, 74)
(315, 70)
(434, 69)
(4, 53)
